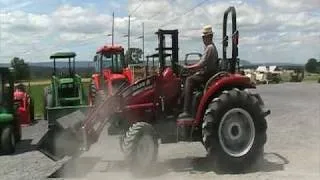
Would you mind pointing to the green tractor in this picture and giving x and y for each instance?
(10, 129)
(62, 98)
(66, 89)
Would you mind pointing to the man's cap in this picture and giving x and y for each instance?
(207, 30)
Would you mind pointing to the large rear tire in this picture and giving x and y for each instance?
(140, 147)
(234, 131)
(8, 140)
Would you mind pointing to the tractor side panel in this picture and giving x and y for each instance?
(233, 81)
(139, 100)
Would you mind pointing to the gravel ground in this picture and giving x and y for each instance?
(292, 150)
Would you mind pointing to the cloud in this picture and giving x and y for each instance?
(11, 5)
(268, 30)
(294, 5)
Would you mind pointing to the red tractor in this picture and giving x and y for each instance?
(111, 71)
(25, 104)
(229, 119)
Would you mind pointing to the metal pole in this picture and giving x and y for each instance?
(112, 28)
(129, 34)
(143, 42)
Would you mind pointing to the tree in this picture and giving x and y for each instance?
(22, 69)
(133, 55)
(312, 65)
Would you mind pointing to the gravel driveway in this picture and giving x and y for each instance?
(292, 150)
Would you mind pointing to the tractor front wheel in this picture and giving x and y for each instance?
(234, 131)
(140, 147)
(8, 140)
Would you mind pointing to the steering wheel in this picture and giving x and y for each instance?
(184, 72)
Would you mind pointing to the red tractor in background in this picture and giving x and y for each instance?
(25, 104)
(111, 71)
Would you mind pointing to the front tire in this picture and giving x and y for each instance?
(140, 147)
(8, 140)
(234, 131)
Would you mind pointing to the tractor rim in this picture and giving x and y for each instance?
(145, 151)
(236, 132)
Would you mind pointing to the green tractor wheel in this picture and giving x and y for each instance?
(8, 140)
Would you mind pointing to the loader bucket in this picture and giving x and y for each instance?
(71, 130)
(62, 137)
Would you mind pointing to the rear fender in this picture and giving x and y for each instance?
(229, 82)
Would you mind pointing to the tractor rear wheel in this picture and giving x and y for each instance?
(8, 140)
(234, 131)
(140, 147)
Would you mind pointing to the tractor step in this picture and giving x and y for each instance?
(184, 129)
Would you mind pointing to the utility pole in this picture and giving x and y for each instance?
(143, 41)
(129, 34)
(112, 28)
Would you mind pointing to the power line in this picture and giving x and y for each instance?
(183, 14)
(141, 2)
(159, 12)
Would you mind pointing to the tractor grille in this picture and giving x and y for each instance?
(68, 90)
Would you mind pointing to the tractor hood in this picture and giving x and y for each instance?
(66, 80)
(5, 117)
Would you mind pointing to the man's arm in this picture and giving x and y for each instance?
(203, 61)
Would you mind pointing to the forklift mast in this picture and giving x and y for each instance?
(230, 64)
(162, 48)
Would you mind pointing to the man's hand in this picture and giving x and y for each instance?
(193, 67)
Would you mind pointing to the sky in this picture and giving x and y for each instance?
(270, 30)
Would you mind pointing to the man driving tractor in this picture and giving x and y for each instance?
(206, 67)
